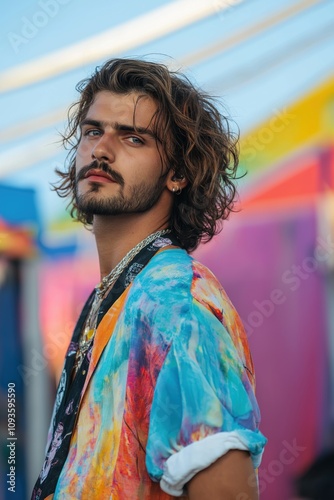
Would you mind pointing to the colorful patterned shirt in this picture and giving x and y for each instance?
(169, 389)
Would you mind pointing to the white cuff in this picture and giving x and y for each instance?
(183, 465)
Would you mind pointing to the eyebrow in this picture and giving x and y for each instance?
(120, 127)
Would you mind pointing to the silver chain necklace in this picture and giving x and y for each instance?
(110, 279)
(101, 289)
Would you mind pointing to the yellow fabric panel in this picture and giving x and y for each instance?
(308, 121)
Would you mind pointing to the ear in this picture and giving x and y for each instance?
(175, 182)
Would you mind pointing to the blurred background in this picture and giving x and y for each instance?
(271, 64)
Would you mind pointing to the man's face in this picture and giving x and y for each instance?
(118, 170)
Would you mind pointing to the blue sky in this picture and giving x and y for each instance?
(271, 64)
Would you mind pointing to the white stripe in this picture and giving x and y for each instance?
(124, 37)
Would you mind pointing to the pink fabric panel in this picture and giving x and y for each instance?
(268, 269)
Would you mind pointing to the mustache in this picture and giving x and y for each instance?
(99, 165)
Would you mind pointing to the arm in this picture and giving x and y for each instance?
(229, 478)
(203, 407)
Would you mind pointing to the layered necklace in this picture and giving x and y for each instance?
(101, 291)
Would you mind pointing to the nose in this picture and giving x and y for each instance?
(103, 149)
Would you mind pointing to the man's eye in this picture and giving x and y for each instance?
(92, 133)
(136, 140)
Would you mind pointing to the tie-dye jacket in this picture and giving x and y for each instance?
(170, 388)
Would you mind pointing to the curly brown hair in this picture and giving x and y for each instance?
(198, 144)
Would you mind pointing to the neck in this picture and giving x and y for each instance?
(117, 235)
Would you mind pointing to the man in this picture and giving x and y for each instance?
(156, 399)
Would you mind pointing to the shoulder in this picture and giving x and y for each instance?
(175, 290)
(207, 290)
(175, 268)
(173, 276)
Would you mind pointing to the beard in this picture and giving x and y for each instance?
(141, 197)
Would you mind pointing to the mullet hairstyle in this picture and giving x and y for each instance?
(196, 140)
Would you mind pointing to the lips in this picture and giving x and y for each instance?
(98, 175)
